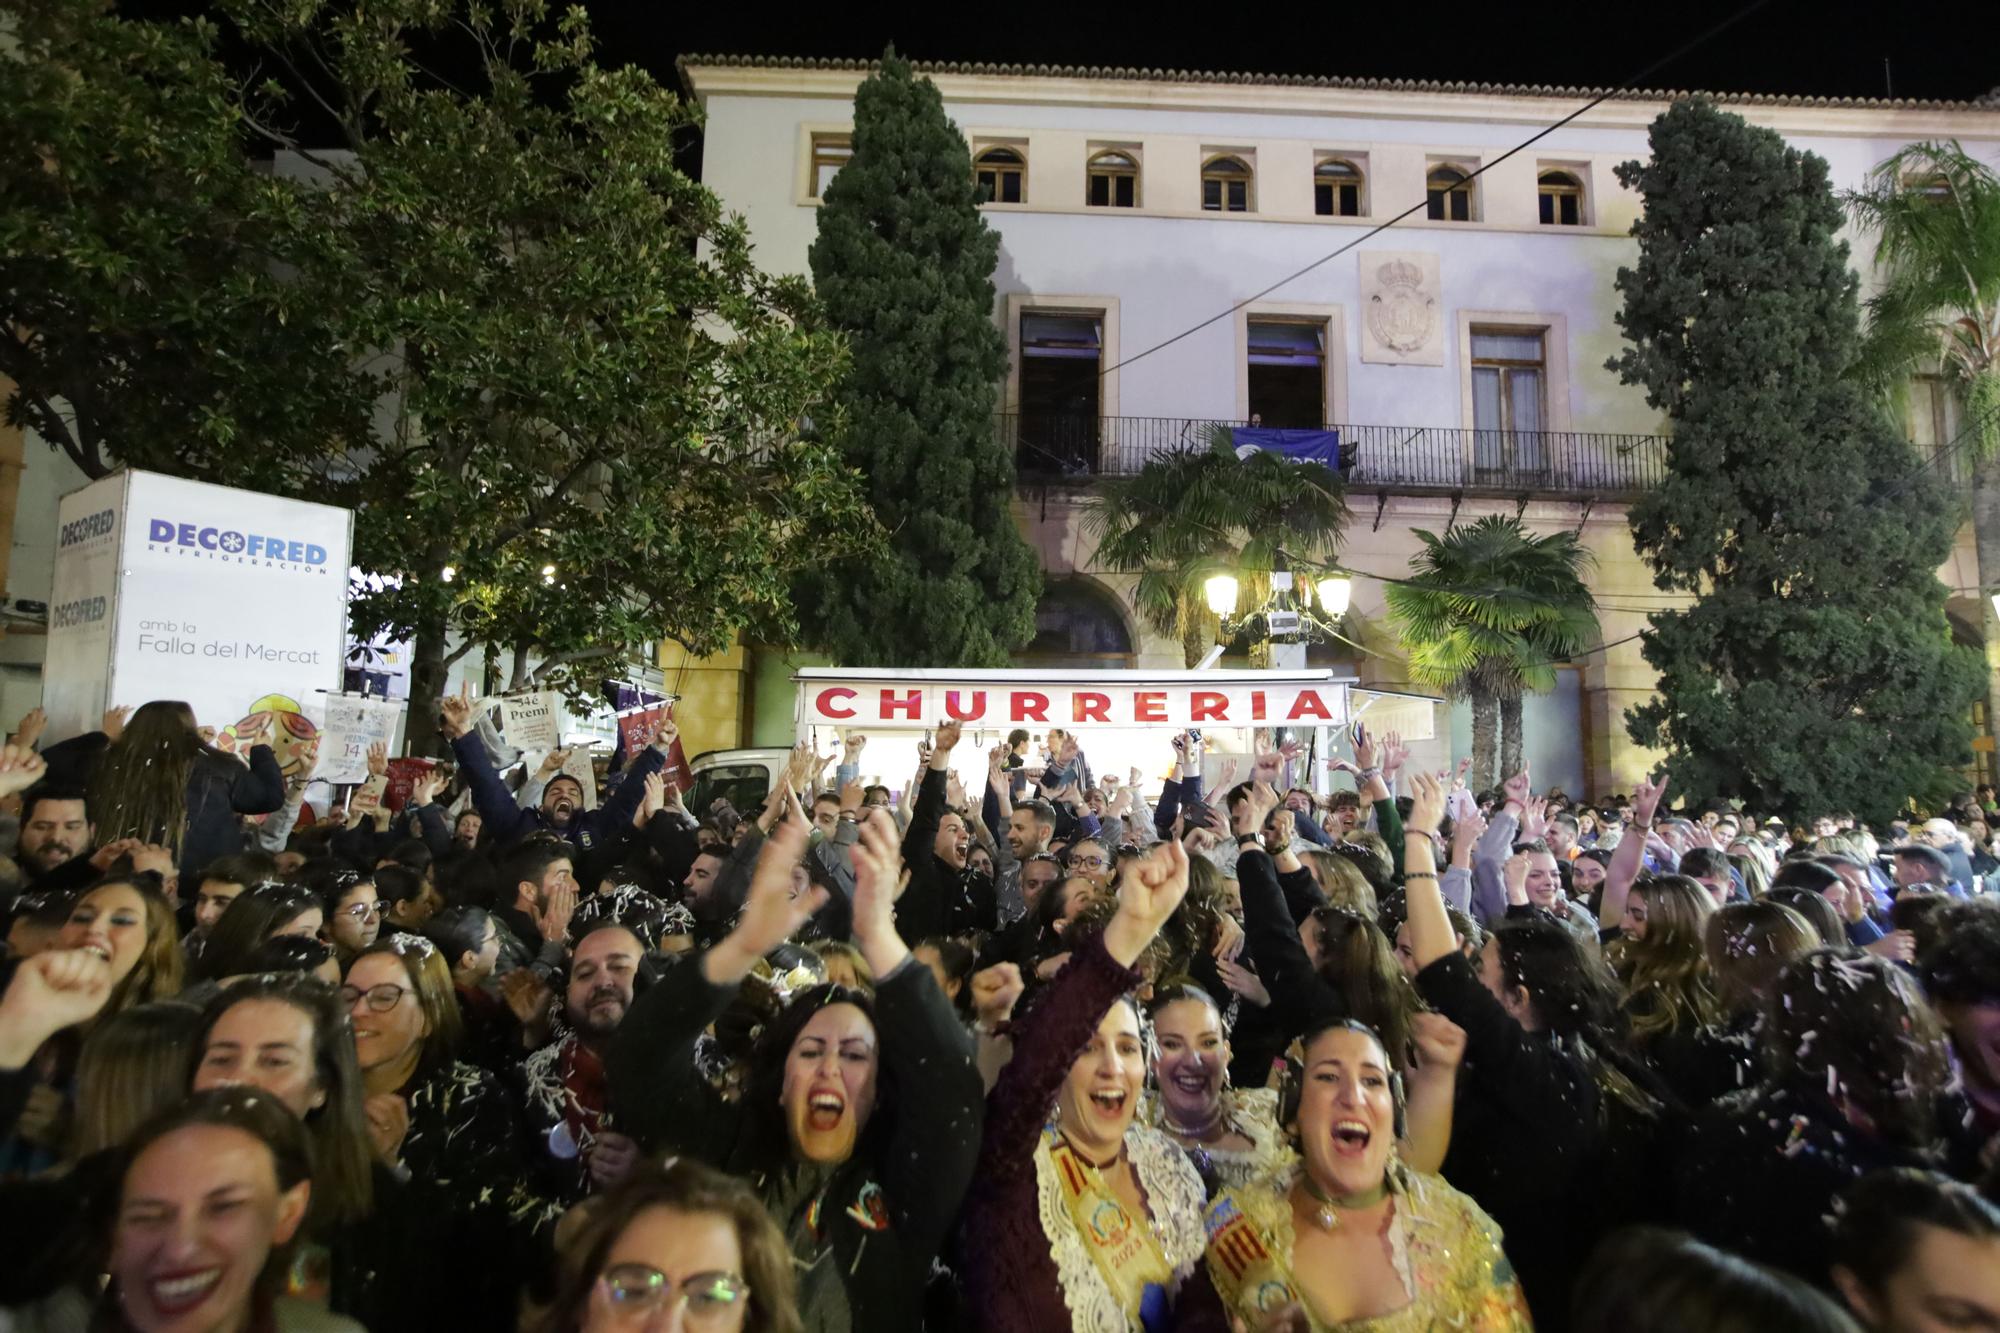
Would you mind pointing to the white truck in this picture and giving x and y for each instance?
(1124, 720)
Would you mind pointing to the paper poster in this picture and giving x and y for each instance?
(532, 721)
(403, 775)
(353, 724)
(577, 766)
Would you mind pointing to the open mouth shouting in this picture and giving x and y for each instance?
(1109, 1103)
(1191, 1081)
(824, 1110)
(175, 1294)
(1351, 1138)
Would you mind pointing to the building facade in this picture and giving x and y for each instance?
(1164, 268)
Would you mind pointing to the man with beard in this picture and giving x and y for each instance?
(56, 838)
(536, 898)
(561, 811)
(566, 1089)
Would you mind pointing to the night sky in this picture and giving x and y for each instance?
(1812, 47)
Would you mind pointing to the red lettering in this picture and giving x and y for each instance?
(1208, 706)
(1149, 706)
(910, 705)
(978, 706)
(1308, 702)
(824, 703)
(1256, 705)
(1089, 706)
(1028, 706)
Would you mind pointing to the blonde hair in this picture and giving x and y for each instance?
(1341, 881)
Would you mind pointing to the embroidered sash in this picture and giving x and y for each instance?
(1125, 1252)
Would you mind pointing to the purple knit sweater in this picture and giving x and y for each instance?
(1010, 1276)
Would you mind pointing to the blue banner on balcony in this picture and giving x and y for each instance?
(1308, 446)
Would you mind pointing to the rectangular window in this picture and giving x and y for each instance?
(1287, 373)
(830, 153)
(1934, 422)
(1061, 361)
(1509, 378)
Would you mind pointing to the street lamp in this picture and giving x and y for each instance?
(1221, 593)
(1334, 592)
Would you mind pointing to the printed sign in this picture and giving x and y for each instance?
(352, 724)
(170, 589)
(894, 701)
(403, 775)
(532, 721)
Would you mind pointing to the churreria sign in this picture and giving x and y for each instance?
(241, 548)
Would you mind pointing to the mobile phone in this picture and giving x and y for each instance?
(1194, 735)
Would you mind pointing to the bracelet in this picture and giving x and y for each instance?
(1366, 776)
(1420, 874)
(1242, 838)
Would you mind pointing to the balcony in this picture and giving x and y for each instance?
(1415, 460)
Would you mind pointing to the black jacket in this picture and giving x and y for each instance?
(942, 899)
(506, 823)
(219, 789)
(883, 1213)
(1525, 1137)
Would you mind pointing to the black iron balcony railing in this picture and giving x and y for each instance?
(1055, 446)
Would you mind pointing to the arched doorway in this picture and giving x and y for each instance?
(1078, 624)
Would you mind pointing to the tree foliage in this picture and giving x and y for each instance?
(903, 264)
(1488, 611)
(576, 390)
(1195, 512)
(1815, 671)
(142, 278)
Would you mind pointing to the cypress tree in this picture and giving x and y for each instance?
(903, 265)
(1815, 671)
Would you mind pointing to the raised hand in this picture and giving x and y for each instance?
(378, 760)
(1646, 798)
(995, 991)
(50, 991)
(1517, 788)
(1440, 1042)
(1466, 831)
(1394, 754)
(770, 913)
(954, 791)
(1250, 815)
(426, 788)
(113, 725)
(1516, 873)
(1427, 804)
(455, 711)
(20, 768)
(1279, 833)
(665, 735)
(655, 799)
(1266, 767)
(1534, 819)
(1364, 747)
(855, 744)
(878, 869)
(33, 723)
(1148, 892)
(948, 732)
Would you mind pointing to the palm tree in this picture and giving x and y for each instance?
(1936, 213)
(1487, 612)
(1198, 511)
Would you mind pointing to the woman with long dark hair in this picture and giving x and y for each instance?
(161, 783)
(861, 1117)
(1548, 1100)
(1855, 1068)
(255, 916)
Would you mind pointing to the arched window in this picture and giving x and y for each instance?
(1225, 185)
(1077, 623)
(1561, 198)
(1337, 188)
(1450, 194)
(1003, 176)
(1113, 181)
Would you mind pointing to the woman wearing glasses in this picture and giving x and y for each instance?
(353, 908)
(685, 1240)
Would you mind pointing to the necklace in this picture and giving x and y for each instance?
(1086, 1158)
(1202, 1131)
(1327, 1216)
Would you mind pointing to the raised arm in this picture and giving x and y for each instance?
(260, 788)
(502, 820)
(1630, 854)
(1489, 855)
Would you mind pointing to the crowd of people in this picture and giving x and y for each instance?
(1060, 1049)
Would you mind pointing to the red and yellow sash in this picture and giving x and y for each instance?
(1125, 1252)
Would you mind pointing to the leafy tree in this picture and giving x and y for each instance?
(904, 265)
(1935, 211)
(148, 321)
(1488, 611)
(1192, 513)
(1815, 670)
(585, 398)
